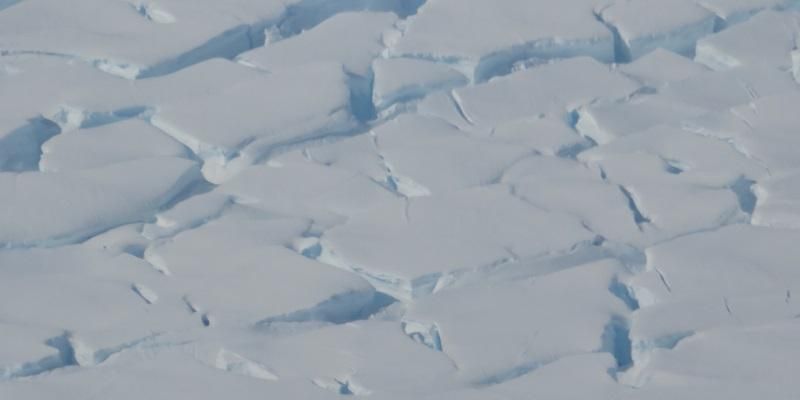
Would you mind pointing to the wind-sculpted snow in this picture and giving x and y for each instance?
(392, 199)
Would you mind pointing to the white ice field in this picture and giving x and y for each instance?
(400, 199)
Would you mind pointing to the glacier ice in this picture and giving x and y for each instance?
(395, 199)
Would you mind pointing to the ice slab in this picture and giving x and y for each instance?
(30, 91)
(412, 149)
(86, 297)
(510, 31)
(689, 268)
(491, 343)
(732, 12)
(108, 144)
(766, 39)
(719, 91)
(187, 214)
(654, 190)
(328, 194)
(660, 67)
(727, 363)
(404, 246)
(763, 130)
(546, 136)
(264, 273)
(644, 25)
(356, 153)
(778, 202)
(553, 89)
(688, 156)
(349, 359)
(352, 39)
(556, 380)
(171, 371)
(601, 207)
(404, 79)
(219, 127)
(109, 35)
(62, 207)
(607, 121)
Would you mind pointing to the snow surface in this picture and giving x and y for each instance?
(399, 199)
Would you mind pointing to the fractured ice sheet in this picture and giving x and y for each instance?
(395, 199)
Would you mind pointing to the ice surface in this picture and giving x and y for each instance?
(399, 199)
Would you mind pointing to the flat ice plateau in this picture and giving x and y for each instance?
(400, 199)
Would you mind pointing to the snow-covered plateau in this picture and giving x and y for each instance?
(400, 199)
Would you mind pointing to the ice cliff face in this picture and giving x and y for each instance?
(427, 199)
